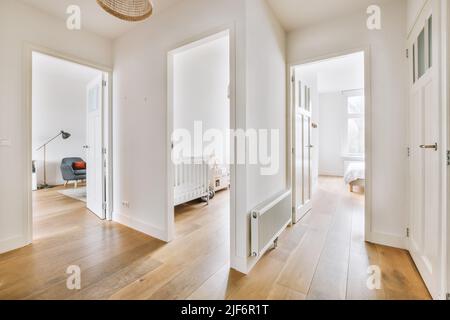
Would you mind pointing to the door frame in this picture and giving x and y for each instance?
(227, 30)
(28, 49)
(368, 126)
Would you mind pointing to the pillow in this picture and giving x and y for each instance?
(79, 165)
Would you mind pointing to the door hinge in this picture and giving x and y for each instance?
(448, 157)
(104, 83)
(104, 150)
(407, 232)
(407, 53)
(293, 79)
(409, 152)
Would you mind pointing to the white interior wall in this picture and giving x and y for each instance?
(201, 79)
(389, 104)
(20, 24)
(413, 7)
(266, 100)
(332, 129)
(59, 103)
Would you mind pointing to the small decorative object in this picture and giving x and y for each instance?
(128, 10)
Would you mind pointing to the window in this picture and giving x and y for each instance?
(355, 134)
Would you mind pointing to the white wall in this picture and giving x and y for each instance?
(20, 24)
(414, 7)
(266, 97)
(332, 128)
(201, 79)
(59, 103)
(389, 103)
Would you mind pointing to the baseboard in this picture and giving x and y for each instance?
(13, 244)
(388, 240)
(141, 226)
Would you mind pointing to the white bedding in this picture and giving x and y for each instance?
(355, 171)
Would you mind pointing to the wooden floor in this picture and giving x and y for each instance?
(323, 257)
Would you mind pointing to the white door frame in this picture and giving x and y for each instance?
(368, 126)
(228, 30)
(29, 48)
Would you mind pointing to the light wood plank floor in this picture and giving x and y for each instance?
(323, 257)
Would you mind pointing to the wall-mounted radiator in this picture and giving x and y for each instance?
(268, 221)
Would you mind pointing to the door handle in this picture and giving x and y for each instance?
(429, 146)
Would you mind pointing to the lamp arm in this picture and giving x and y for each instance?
(49, 141)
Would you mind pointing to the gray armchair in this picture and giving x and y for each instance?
(69, 174)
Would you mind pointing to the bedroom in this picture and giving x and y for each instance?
(330, 130)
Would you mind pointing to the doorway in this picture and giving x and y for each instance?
(330, 138)
(201, 116)
(70, 139)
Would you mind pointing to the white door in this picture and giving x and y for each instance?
(302, 182)
(425, 151)
(94, 148)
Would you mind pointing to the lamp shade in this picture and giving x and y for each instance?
(65, 135)
(128, 10)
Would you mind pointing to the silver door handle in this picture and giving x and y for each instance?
(429, 146)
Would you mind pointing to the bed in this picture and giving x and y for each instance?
(191, 181)
(355, 175)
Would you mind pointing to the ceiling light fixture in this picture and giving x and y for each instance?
(128, 10)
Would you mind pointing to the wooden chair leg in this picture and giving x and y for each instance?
(76, 184)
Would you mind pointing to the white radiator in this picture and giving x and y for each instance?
(191, 181)
(268, 221)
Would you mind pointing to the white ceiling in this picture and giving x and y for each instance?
(337, 74)
(93, 18)
(294, 14)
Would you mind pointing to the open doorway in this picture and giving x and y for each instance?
(329, 135)
(69, 104)
(200, 118)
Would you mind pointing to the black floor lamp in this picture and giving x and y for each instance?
(65, 136)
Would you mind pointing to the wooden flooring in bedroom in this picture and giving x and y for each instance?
(323, 257)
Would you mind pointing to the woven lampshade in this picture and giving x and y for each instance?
(129, 10)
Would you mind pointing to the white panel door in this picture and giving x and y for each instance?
(95, 177)
(302, 175)
(425, 210)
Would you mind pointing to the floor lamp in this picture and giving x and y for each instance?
(65, 136)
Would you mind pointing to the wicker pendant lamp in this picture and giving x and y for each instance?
(128, 10)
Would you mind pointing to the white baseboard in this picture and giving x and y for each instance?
(141, 226)
(388, 240)
(13, 244)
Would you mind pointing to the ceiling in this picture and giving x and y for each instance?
(93, 18)
(294, 14)
(338, 74)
